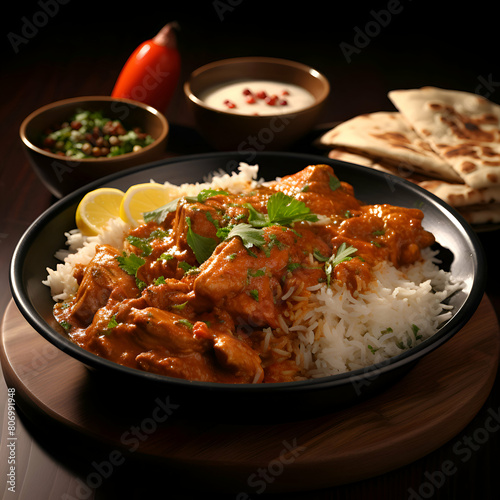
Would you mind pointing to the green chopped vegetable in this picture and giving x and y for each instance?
(185, 322)
(187, 268)
(141, 243)
(112, 322)
(256, 273)
(250, 236)
(160, 214)
(165, 256)
(65, 325)
(130, 263)
(204, 194)
(343, 254)
(319, 256)
(334, 183)
(179, 307)
(90, 134)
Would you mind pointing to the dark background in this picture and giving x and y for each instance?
(79, 47)
(423, 42)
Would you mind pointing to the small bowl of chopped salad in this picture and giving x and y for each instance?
(75, 141)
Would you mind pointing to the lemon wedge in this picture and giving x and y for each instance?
(96, 208)
(141, 198)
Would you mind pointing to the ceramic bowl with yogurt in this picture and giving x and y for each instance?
(255, 103)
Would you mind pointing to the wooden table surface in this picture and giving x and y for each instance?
(54, 50)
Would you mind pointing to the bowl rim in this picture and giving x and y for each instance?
(356, 376)
(83, 99)
(192, 97)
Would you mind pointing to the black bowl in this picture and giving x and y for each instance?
(459, 247)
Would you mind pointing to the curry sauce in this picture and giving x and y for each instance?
(196, 286)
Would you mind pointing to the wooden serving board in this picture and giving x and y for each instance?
(417, 415)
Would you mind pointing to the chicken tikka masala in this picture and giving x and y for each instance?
(201, 278)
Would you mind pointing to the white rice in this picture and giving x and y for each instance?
(327, 330)
(344, 333)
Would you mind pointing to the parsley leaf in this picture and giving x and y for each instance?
(202, 246)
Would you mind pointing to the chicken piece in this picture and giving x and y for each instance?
(172, 332)
(199, 216)
(238, 358)
(195, 366)
(173, 294)
(246, 284)
(319, 188)
(103, 279)
(195, 352)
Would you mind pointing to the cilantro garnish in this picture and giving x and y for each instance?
(112, 322)
(204, 194)
(292, 266)
(130, 263)
(160, 214)
(415, 329)
(141, 243)
(202, 246)
(179, 307)
(160, 280)
(343, 254)
(185, 322)
(187, 268)
(254, 294)
(250, 236)
(65, 325)
(165, 256)
(319, 256)
(334, 183)
(256, 273)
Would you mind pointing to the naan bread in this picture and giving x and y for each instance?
(403, 170)
(477, 206)
(461, 195)
(481, 214)
(463, 128)
(389, 136)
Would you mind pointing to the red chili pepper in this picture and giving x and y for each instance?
(151, 73)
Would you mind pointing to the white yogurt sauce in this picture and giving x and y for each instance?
(257, 97)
